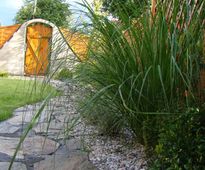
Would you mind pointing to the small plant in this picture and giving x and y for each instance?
(64, 74)
(4, 74)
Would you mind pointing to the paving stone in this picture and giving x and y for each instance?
(5, 158)
(78, 161)
(54, 130)
(36, 145)
(21, 118)
(26, 117)
(68, 157)
(25, 108)
(51, 127)
(31, 159)
(73, 144)
(7, 128)
(70, 146)
(15, 166)
(39, 145)
(8, 147)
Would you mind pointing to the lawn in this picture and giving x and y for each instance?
(16, 93)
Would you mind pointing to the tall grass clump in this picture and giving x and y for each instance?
(144, 71)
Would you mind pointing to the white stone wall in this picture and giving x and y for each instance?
(12, 53)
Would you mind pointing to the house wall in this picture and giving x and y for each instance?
(12, 53)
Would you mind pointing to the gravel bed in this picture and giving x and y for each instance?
(110, 153)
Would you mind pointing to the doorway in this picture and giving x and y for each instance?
(38, 40)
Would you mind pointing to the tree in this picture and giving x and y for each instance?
(55, 11)
(131, 7)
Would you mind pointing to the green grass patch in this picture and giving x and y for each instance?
(16, 93)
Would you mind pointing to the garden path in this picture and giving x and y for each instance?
(53, 145)
(52, 149)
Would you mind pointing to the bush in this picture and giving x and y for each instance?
(182, 143)
(64, 74)
(4, 74)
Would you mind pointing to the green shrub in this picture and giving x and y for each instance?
(182, 143)
(64, 74)
(4, 74)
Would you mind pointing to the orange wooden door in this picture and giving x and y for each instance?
(38, 49)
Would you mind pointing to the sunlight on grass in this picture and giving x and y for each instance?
(16, 93)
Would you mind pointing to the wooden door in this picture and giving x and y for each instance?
(38, 49)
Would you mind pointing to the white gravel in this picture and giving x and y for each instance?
(111, 153)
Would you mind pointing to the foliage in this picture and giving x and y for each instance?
(182, 143)
(4, 74)
(144, 72)
(133, 8)
(16, 93)
(55, 11)
(64, 74)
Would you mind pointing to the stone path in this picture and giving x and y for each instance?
(61, 140)
(48, 146)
